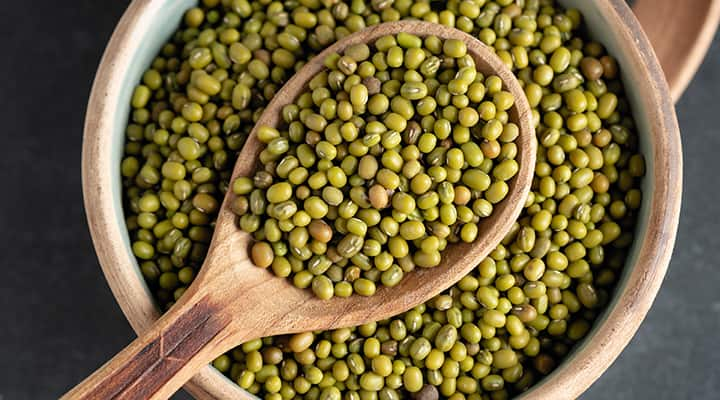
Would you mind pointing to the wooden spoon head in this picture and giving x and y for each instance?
(283, 308)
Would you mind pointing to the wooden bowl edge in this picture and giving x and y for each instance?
(633, 300)
(127, 286)
(568, 381)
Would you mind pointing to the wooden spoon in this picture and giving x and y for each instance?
(681, 34)
(233, 301)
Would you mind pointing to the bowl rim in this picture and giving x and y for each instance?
(570, 379)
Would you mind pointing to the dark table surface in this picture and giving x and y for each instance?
(58, 317)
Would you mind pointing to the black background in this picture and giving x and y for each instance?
(58, 320)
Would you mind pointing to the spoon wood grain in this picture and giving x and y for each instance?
(231, 301)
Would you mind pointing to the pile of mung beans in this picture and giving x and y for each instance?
(395, 151)
(502, 327)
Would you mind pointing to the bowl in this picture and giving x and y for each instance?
(147, 24)
(680, 35)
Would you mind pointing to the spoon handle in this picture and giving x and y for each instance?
(230, 302)
(162, 359)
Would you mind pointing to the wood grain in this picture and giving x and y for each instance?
(613, 331)
(680, 33)
(231, 301)
(143, 373)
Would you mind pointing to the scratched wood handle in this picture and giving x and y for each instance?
(160, 361)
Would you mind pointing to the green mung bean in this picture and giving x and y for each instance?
(581, 242)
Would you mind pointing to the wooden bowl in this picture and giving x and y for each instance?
(681, 36)
(147, 24)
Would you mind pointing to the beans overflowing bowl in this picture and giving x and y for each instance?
(559, 298)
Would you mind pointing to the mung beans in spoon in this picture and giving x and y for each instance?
(396, 150)
(232, 301)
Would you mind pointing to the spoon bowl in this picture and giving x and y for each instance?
(232, 301)
(458, 259)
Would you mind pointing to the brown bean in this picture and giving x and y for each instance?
(525, 312)
(389, 348)
(428, 392)
(378, 196)
(320, 231)
(610, 67)
(373, 85)
(463, 195)
(544, 364)
(591, 68)
(412, 132)
(491, 149)
(272, 355)
(262, 254)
